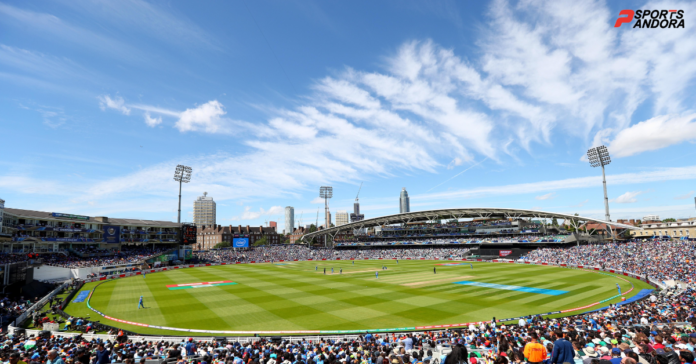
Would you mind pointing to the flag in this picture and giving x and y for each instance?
(29, 344)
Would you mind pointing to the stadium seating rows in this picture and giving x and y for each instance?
(657, 330)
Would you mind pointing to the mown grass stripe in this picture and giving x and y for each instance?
(270, 298)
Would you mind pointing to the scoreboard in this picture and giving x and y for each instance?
(188, 234)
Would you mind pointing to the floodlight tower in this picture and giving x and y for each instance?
(599, 156)
(182, 174)
(326, 192)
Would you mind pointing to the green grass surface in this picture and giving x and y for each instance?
(272, 297)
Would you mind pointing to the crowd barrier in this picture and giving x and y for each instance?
(40, 303)
(325, 333)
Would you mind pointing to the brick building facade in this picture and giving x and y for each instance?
(296, 235)
(211, 235)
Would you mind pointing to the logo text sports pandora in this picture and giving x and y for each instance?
(652, 18)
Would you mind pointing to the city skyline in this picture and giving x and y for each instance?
(469, 105)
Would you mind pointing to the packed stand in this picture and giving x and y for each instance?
(12, 308)
(125, 256)
(427, 241)
(6, 258)
(585, 339)
(266, 253)
(300, 252)
(428, 253)
(656, 330)
(659, 260)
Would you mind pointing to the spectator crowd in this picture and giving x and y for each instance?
(88, 258)
(94, 258)
(656, 330)
(620, 335)
(301, 252)
(659, 260)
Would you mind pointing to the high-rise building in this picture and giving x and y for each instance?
(2, 210)
(204, 211)
(289, 219)
(273, 224)
(356, 215)
(404, 202)
(341, 217)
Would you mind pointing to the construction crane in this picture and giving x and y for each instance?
(300, 221)
(356, 215)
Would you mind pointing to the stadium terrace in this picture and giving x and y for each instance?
(480, 223)
(424, 256)
(25, 231)
(654, 329)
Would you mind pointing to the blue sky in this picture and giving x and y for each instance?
(466, 104)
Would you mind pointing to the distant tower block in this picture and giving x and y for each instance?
(404, 201)
(289, 219)
(204, 211)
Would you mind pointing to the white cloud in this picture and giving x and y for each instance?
(317, 200)
(206, 118)
(117, 103)
(46, 66)
(533, 71)
(684, 196)
(540, 71)
(623, 212)
(548, 196)
(152, 122)
(27, 185)
(156, 110)
(252, 215)
(54, 28)
(149, 20)
(428, 108)
(577, 67)
(658, 175)
(455, 162)
(653, 134)
(628, 197)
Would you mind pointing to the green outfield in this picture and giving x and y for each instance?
(295, 296)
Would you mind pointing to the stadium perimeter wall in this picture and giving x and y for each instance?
(184, 266)
(51, 273)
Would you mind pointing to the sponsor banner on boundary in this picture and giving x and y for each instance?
(199, 285)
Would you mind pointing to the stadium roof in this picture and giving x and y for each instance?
(31, 214)
(475, 212)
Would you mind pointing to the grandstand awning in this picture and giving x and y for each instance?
(463, 213)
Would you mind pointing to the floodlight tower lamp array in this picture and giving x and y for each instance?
(599, 157)
(326, 192)
(182, 174)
